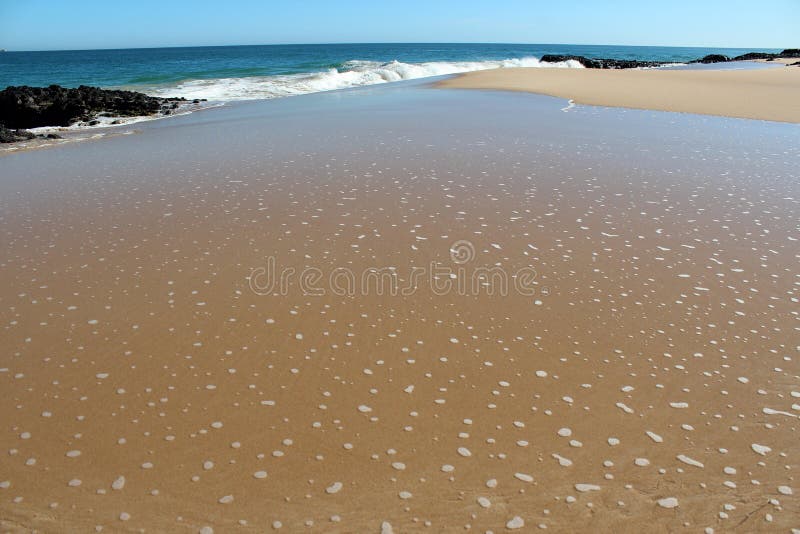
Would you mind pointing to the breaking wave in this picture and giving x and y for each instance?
(354, 73)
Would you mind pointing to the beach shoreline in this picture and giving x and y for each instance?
(32, 103)
(764, 94)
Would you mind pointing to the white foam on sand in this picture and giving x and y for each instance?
(668, 502)
(100, 125)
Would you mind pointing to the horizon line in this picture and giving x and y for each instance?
(391, 43)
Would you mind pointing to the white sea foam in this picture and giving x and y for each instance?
(102, 121)
(353, 73)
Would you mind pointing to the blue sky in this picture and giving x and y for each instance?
(83, 24)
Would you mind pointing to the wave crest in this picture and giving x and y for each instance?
(353, 73)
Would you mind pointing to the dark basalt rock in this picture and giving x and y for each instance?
(750, 56)
(600, 63)
(629, 64)
(754, 55)
(12, 136)
(30, 107)
(712, 58)
(586, 62)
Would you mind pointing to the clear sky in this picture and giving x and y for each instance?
(84, 24)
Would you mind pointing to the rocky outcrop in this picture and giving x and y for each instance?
(602, 63)
(712, 58)
(586, 62)
(12, 136)
(718, 58)
(31, 107)
(754, 55)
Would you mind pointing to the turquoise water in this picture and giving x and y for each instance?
(254, 72)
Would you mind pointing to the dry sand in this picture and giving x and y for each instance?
(650, 383)
(768, 94)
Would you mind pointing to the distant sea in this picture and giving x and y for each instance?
(223, 73)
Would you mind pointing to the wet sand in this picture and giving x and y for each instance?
(766, 94)
(646, 377)
(781, 60)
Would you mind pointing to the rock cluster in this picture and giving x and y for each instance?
(602, 63)
(12, 136)
(31, 107)
(605, 63)
(719, 58)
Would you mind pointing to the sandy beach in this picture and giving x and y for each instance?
(766, 94)
(604, 335)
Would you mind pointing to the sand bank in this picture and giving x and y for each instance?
(769, 94)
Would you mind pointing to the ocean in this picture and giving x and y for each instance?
(226, 73)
